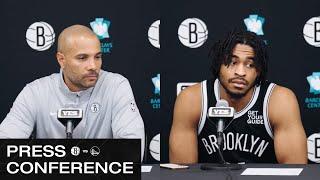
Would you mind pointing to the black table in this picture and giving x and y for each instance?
(309, 172)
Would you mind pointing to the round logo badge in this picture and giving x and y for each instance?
(153, 34)
(311, 31)
(95, 107)
(40, 36)
(193, 32)
(94, 151)
(75, 150)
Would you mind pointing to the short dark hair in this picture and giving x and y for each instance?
(221, 52)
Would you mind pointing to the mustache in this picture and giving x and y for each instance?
(238, 79)
(92, 73)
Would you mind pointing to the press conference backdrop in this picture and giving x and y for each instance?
(130, 39)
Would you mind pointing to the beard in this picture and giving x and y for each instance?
(236, 95)
(81, 82)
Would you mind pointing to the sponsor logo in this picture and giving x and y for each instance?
(101, 28)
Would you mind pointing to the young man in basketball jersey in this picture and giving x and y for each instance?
(266, 126)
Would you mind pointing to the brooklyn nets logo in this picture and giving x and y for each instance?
(314, 148)
(75, 150)
(193, 32)
(311, 31)
(154, 34)
(95, 107)
(40, 36)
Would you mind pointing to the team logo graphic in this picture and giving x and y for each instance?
(154, 34)
(155, 101)
(312, 102)
(311, 31)
(101, 28)
(154, 147)
(193, 32)
(40, 36)
(94, 151)
(314, 82)
(75, 150)
(156, 83)
(133, 106)
(95, 107)
(314, 148)
(254, 24)
(182, 85)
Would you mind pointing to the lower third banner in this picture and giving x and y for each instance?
(70, 159)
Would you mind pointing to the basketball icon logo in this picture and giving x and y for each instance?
(154, 147)
(94, 151)
(311, 31)
(154, 34)
(40, 36)
(193, 32)
(75, 150)
(314, 148)
(95, 107)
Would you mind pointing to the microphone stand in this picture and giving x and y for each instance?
(69, 129)
(70, 118)
(222, 165)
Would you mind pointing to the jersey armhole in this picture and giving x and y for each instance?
(204, 106)
(266, 120)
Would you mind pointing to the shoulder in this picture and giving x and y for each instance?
(43, 82)
(113, 85)
(36, 90)
(281, 95)
(191, 93)
(282, 104)
(110, 78)
(188, 103)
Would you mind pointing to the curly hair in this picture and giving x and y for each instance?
(221, 52)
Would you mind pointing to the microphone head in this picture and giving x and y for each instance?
(222, 103)
(221, 110)
(66, 114)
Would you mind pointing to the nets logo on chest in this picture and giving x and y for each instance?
(95, 107)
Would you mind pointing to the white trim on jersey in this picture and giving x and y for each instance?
(265, 110)
(204, 106)
(251, 103)
(216, 89)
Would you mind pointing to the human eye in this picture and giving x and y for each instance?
(82, 57)
(251, 65)
(233, 62)
(99, 56)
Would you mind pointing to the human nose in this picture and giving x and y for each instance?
(240, 70)
(92, 65)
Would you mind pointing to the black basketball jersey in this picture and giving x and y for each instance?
(248, 137)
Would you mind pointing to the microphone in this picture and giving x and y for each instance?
(221, 112)
(70, 117)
